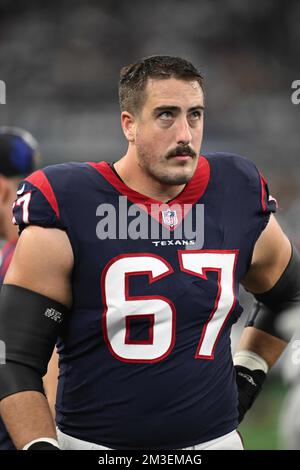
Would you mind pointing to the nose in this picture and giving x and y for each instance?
(184, 135)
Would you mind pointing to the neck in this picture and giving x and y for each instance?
(137, 179)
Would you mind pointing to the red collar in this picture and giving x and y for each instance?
(193, 191)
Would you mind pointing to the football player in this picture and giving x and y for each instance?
(136, 267)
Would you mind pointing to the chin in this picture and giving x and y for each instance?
(176, 179)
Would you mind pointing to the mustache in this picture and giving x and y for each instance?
(181, 150)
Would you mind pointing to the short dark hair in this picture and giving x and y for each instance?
(133, 78)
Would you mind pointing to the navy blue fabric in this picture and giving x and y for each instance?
(178, 401)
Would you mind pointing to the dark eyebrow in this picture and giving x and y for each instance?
(161, 109)
(197, 108)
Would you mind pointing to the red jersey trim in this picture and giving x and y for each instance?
(263, 192)
(193, 191)
(266, 199)
(40, 181)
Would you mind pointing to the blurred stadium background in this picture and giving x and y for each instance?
(60, 61)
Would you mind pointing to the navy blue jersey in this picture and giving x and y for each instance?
(6, 254)
(145, 357)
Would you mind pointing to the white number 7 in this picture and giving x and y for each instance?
(223, 262)
(25, 200)
(120, 308)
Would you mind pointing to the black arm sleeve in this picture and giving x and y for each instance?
(29, 326)
(283, 297)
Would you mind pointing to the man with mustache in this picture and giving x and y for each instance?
(144, 329)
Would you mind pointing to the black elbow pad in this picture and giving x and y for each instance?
(29, 326)
(283, 297)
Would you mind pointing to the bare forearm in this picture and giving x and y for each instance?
(267, 346)
(27, 417)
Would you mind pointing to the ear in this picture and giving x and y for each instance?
(128, 122)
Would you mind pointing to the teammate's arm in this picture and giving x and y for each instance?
(272, 281)
(42, 263)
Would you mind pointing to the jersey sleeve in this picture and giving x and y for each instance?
(36, 203)
(254, 187)
(261, 202)
(256, 204)
(268, 202)
(245, 185)
(245, 203)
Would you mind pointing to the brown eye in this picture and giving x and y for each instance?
(165, 115)
(195, 115)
